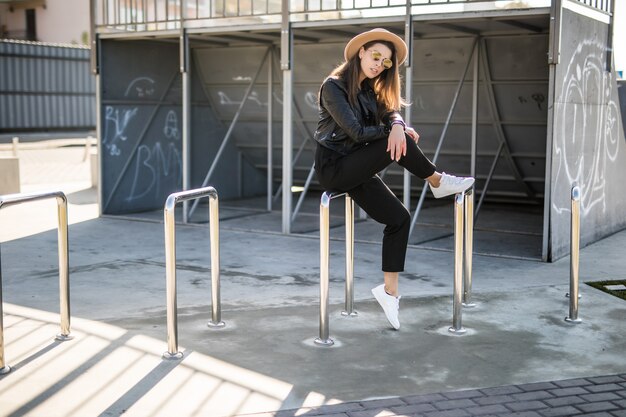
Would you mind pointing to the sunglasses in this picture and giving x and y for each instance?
(377, 57)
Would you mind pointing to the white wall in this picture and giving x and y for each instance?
(61, 21)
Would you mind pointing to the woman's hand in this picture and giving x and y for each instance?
(412, 134)
(396, 143)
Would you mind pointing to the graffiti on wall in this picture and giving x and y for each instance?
(587, 137)
(159, 166)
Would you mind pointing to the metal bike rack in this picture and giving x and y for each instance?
(463, 247)
(574, 257)
(64, 276)
(324, 339)
(170, 263)
(468, 248)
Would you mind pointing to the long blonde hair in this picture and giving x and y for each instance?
(387, 85)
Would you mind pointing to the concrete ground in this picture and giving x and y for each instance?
(264, 359)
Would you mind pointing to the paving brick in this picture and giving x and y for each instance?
(533, 395)
(572, 382)
(601, 396)
(619, 413)
(521, 414)
(599, 406)
(333, 409)
(561, 401)
(606, 379)
(384, 402)
(457, 395)
(565, 392)
(372, 412)
(560, 411)
(601, 414)
(537, 386)
(507, 389)
(423, 398)
(412, 409)
(450, 404)
(621, 403)
(494, 399)
(487, 410)
(621, 393)
(448, 413)
(526, 405)
(604, 387)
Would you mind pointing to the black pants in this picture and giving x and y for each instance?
(356, 174)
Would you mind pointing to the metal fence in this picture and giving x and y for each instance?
(45, 87)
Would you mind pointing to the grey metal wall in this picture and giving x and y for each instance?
(517, 88)
(141, 109)
(45, 88)
(588, 146)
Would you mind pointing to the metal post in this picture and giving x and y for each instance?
(216, 317)
(457, 325)
(64, 269)
(186, 112)
(64, 276)
(16, 143)
(169, 218)
(474, 143)
(574, 257)
(286, 61)
(468, 250)
(349, 302)
(324, 339)
(270, 111)
(4, 368)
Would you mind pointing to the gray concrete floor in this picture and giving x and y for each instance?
(264, 359)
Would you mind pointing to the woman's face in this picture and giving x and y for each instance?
(372, 60)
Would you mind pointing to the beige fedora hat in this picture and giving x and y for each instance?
(377, 34)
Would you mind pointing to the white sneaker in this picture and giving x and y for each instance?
(390, 305)
(451, 185)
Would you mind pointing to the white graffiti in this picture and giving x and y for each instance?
(116, 121)
(587, 137)
(140, 87)
(227, 101)
(154, 167)
(310, 99)
(171, 126)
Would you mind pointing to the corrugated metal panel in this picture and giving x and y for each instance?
(45, 87)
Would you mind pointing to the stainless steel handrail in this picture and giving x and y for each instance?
(170, 263)
(468, 248)
(457, 306)
(64, 275)
(574, 257)
(324, 339)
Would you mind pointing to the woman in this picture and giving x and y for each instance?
(360, 132)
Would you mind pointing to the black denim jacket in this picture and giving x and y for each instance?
(344, 128)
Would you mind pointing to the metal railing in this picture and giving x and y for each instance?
(574, 257)
(324, 338)
(604, 5)
(64, 275)
(463, 246)
(146, 15)
(170, 263)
